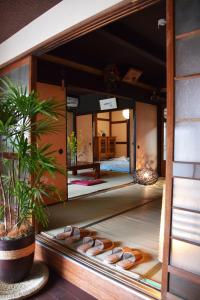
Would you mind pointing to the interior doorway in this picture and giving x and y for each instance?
(130, 214)
(104, 139)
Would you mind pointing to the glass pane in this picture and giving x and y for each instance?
(183, 288)
(186, 225)
(187, 56)
(187, 141)
(187, 15)
(185, 256)
(186, 193)
(20, 75)
(187, 99)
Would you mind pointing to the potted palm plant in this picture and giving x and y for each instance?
(23, 166)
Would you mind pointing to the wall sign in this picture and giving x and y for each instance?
(106, 104)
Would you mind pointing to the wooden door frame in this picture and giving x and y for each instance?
(114, 13)
(170, 142)
(95, 119)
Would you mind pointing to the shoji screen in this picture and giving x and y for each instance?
(184, 236)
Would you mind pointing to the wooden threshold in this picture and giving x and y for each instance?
(96, 279)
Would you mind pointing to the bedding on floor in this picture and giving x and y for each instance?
(119, 164)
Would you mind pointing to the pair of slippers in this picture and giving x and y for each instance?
(93, 246)
(124, 257)
(72, 234)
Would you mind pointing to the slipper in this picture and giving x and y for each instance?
(100, 245)
(115, 256)
(78, 234)
(88, 242)
(129, 258)
(68, 231)
(72, 233)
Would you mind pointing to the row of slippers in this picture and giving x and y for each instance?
(124, 257)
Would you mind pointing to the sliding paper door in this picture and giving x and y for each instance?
(84, 137)
(146, 135)
(181, 277)
(57, 140)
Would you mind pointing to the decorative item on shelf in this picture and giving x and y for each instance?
(145, 176)
(72, 143)
(111, 76)
(103, 133)
(126, 113)
(21, 199)
(132, 75)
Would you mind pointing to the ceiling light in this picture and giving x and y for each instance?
(126, 113)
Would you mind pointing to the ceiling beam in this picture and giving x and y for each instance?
(54, 73)
(88, 69)
(123, 43)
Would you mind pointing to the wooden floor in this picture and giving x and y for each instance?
(60, 289)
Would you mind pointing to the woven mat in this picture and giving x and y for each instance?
(32, 284)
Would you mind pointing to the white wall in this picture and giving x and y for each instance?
(119, 130)
(51, 24)
(146, 135)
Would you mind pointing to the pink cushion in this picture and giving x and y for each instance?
(87, 182)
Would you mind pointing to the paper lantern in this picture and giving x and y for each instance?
(145, 176)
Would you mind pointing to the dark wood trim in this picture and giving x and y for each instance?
(88, 69)
(80, 270)
(159, 138)
(110, 127)
(121, 143)
(128, 138)
(103, 119)
(135, 137)
(95, 91)
(188, 77)
(170, 142)
(88, 83)
(119, 122)
(95, 126)
(32, 72)
(184, 274)
(71, 64)
(187, 35)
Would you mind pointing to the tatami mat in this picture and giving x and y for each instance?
(87, 210)
(112, 179)
(129, 216)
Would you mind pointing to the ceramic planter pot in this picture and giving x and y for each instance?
(16, 258)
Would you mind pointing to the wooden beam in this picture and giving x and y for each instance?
(88, 69)
(54, 73)
(71, 64)
(120, 41)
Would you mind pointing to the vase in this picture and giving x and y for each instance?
(73, 160)
(16, 258)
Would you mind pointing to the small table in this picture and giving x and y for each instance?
(85, 165)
